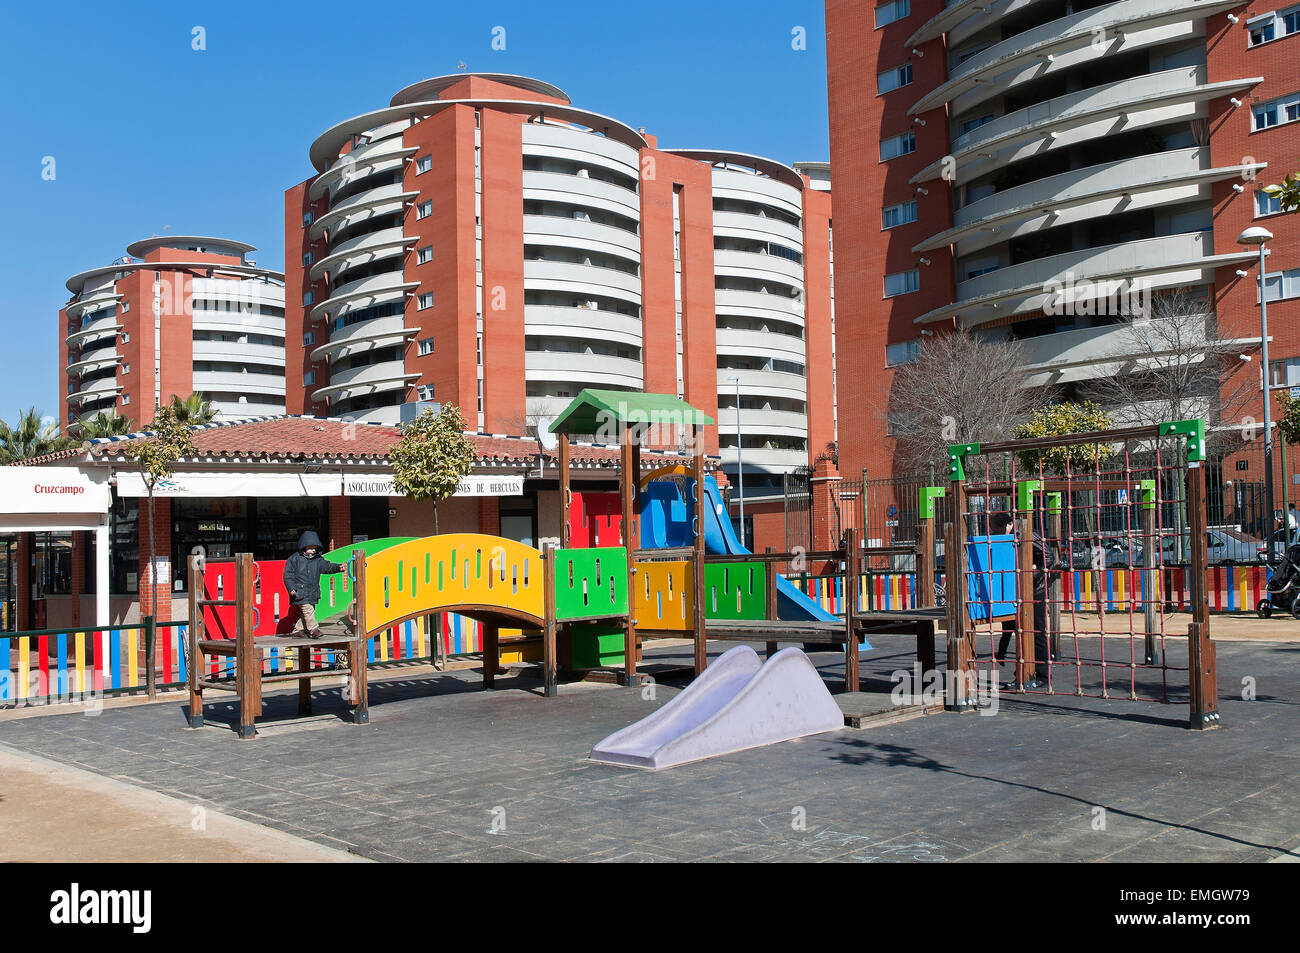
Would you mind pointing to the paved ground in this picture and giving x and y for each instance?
(52, 813)
(448, 772)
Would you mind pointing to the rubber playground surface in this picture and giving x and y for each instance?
(446, 771)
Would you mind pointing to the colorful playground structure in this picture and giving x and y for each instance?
(592, 607)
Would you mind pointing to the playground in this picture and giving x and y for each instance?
(649, 638)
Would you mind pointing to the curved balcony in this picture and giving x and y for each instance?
(269, 354)
(99, 328)
(758, 305)
(1074, 32)
(557, 321)
(771, 423)
(592, 370)
(239, 383)
(362, 293)
(588, 236)
(578, 278)
(757, 265)
(762, 459)
(378, 201)
(96, 390)
(228, 409)
(963, 17)
(751, 187)
(363, 160)
(94, 300)
(1154, 99)
(361, 250)
(763, 383)
(749, 343)
(368, 374)
(576, 190)
(1190, 255)
(94, 361)
(390, 376)
(364, 335)
(1125, 185)
(757, 227)
(579, 145)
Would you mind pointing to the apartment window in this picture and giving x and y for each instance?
(1273, 25)
(1266, 204)
(126, 368)
(902, 282)
(126, 306)
(308, 338)
(425, 391)
(970, 124)
(1282, 285)
(126, 398)
(426, 346)
(1284, 110)
(424, 255)
(890, 12)
(308, 297)
(895, 215)
(424, 210)
(126, 337)
(308, 378)
(308, 218)
(894, 78)
(425, 300)
(423, 164)
(308, 259)
(904, 352)
(896, 146)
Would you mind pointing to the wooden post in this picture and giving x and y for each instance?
(697, 556)
(358, 673)
(491, 653)
(925, 563)
(548, 632)
(772, 611)
(1201, 658)
(960, 648)
(565, 493)
(851, 574)
(1054, 578)
(304, 684)
(627, 498)
(195, 635)
(245, 654)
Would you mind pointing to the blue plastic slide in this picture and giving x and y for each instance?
(666, 522)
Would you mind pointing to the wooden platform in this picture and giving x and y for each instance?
(282, 643)
(862, 709)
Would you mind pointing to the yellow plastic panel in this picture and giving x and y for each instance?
(665, 596)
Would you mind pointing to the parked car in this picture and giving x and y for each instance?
(1223, 547)
(1115, 552)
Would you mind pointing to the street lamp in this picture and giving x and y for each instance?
(740, 465)
(1258, 236)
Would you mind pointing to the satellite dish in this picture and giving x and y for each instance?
(548, 440)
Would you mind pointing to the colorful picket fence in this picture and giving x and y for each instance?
(1229, 589)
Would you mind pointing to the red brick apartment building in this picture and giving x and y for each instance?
(484, 242)
(177, 314)
(984, 149)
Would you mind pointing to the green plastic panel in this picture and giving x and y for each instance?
(928, 495)
(590, 582)
(957, 454)
(597, 646)
(1194, 431)
(735, 591)
(336, 589)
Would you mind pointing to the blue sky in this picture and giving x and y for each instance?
(148, 133)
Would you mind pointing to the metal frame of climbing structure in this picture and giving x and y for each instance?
(1153, 490)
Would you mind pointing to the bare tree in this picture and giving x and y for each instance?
(961, 387)
(1171, 364)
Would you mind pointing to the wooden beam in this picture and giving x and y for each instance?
(549, 689)
(565, 492)
(697, 471)
(195, 636)
(1202, 662)
(245, 654)
(627, 478)
(851, 574)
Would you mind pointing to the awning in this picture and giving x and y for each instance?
(26, 491)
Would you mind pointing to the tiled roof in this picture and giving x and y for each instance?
(298, 438)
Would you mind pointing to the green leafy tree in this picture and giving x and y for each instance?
(192, 410)
(432, 456)
(166, 443)
(1058, 420)
(1289, 424)
(32, 436)
(1287, 192)
(103, 424)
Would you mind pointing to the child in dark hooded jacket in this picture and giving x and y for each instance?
(302, 572)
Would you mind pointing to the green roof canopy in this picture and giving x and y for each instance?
(594, 411)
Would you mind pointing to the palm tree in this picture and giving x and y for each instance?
(32, 436)
(103, 424)
(193, 410)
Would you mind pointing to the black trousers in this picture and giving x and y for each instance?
(1041, 648)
